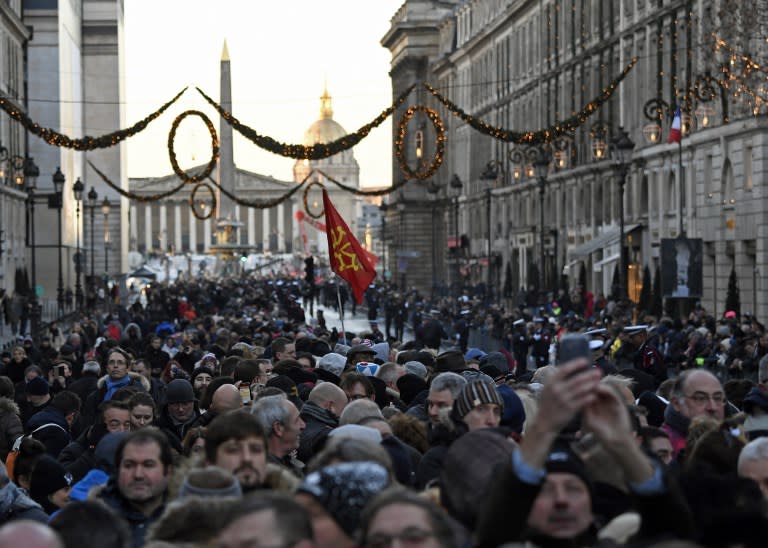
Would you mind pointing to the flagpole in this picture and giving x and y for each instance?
(682, 182)
(341, 312)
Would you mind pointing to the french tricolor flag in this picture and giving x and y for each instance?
(675, 132)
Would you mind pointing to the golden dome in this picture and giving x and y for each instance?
(326, 129)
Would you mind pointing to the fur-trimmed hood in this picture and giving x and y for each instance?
(135, 378)
(7, 405)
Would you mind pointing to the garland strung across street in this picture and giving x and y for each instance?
(440, 139)
(539, 136)
(54, 138)
(313, 152)
(133, 195)
(317, 151)
(214, 148)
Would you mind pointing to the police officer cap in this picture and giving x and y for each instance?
(635, 329)
(518, 322)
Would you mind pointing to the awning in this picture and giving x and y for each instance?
(607, 261)
(607, 238)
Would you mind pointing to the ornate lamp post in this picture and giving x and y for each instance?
(621, 151)
(92, 197)
(31, 173)
(106, 207)
(383, 213)
(495, 174)
(77, 190)
(456, 185)
(542, 157)
(57, 201)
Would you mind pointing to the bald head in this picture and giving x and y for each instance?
(29, 534)
(329, 396)
(226, 398)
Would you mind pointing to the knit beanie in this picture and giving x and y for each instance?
(344, 490)
(179, 391)
(562, 459)
(48, 476)
(475, 393)
(513, 416)
(37, 387)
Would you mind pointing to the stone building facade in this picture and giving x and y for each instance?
(523, 65)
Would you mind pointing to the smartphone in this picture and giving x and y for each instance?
(245, 393)
(58, 370)
(572, 346)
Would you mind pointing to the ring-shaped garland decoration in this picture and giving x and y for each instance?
(306, 201)
(437, 159)
(214, 147)
(192, 201)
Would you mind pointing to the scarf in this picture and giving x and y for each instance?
(113, 386)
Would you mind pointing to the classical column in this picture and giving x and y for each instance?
(163, 228)
(265, 227)
(148, 227)
(206, 234)
(251, 227)
(281, 228)
(134, 236)
(177, 227)
(192, 232)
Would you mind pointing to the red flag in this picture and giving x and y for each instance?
(348, 258)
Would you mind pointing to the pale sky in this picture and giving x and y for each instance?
(281, 53)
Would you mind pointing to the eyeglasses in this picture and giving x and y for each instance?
(702, 398)
(408, 537)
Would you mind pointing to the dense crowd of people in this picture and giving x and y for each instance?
(229, 413)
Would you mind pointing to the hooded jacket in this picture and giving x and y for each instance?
(50, 426)
(319, 422)
(10, 426)
(15, 504)
(91, 406)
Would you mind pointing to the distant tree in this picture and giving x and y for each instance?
(644, 302)
(732, 297)
(657, 301)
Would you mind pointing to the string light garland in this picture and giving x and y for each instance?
(261, 204)
(132, 195)
(539, 136)
(54, 138)
(192, 197)
(440, 139)
(214, 147)
(317, 151)
(357, 191)
(306, 201)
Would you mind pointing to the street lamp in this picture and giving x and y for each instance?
(432, 189)
(621, 149)
(541, 157)
(57, 201)
(106, 207)
(493, 171)
(383, 214)
(31, 173)
(456, 185)
(77, 190)
(93, 196)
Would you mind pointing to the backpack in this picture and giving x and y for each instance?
(16, 448)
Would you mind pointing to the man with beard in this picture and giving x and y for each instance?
(144, 464)
(236, 442)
